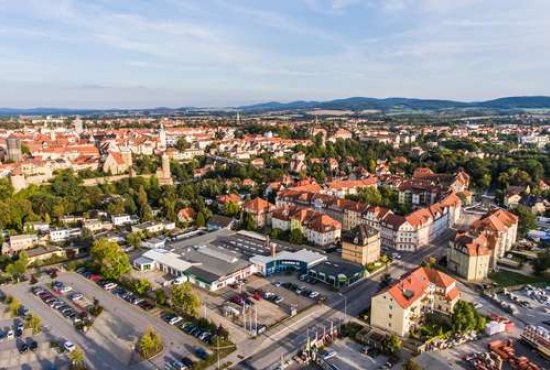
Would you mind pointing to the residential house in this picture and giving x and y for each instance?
(260, 211)
(18, 243)
(402, 306)
(187, 215)
(124, 220)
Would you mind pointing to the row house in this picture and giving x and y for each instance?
(421, 227)
(343, 188)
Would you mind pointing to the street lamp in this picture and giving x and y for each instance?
(345, 306)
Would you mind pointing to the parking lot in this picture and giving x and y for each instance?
(111, 341)
(126, 322)
(20, 348)
(267, 299)
(532, 304)
(350, 355)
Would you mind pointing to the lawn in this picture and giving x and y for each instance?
(508, 278)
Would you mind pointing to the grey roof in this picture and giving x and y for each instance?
(334, 268)
(213, 262)
(359, 234)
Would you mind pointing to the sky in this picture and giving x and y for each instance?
(217, 53)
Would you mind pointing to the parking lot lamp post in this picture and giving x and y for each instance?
(345, 306)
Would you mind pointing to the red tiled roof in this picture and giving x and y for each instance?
(413, 286)
(257, 205)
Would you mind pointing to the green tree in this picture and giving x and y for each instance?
(542, 262)
(296, 236)
(411, 364)
(160, 296)
(275, 233)
(19, 267)
(77, 359)
(230, 209)
(465, 318)
(248, 222)
(393, 344)
(110, 259)
(200, 221)
(14, 307)
(134, 239)
(184, 298)
(35, 323)
(146, 213)
(150, 344)
(527, 219)
(140, 286)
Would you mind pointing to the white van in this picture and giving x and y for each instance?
(179, 280)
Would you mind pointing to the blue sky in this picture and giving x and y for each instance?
(147, 53)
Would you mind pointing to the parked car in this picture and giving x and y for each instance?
(22, 347)
(69, 346)
(328, 354)
(177, 365)
(110, 286)
(261, 329)
(76, 296)
(201, 353)
(66, 289)
(33, 345)
(187, 362)
(23, 311)
(313, 295)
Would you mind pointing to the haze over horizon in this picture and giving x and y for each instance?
(135, 54)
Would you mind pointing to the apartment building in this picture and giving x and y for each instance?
(18, 243)
(260, 210)
(317, 228)
(500, 225)
(402, 306)
(361, 245)
(469, 256)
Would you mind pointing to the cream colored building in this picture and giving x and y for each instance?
(500, 225)
(18, 243)
(401, 307)
(469, 256)
(361, 245)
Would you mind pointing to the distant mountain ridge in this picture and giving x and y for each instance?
(361, 103)
(353, 103)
